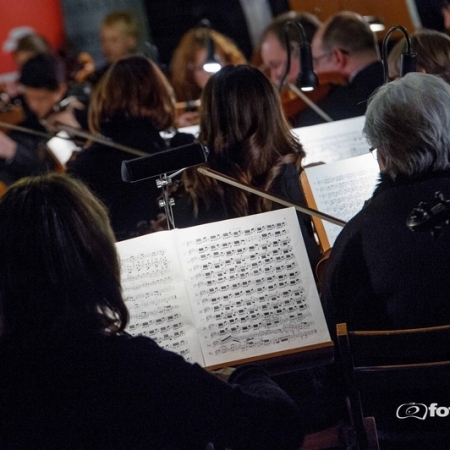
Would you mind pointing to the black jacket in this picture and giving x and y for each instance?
(129, 204)
(118, 392)
(344, 102)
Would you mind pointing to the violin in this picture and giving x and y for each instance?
(291, 102)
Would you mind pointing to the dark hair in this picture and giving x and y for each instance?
(34, 43)
(309, 22)
(244, 127)
(133, 86)
(59, 270)
(43, 71)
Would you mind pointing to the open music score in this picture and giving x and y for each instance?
(327, 142)
(333, 141)
(340, 189)
(227, 292)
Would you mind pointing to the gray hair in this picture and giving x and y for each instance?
(408, 121)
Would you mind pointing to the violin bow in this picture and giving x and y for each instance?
(75, 132)
(303, 209)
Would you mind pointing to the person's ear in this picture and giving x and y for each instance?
(340, 57)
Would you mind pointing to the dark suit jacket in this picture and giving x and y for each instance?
(344, 102)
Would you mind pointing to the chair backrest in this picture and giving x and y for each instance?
(392, 361)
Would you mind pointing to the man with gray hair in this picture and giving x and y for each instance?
(345, 45)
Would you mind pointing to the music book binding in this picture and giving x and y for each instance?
(225, 293)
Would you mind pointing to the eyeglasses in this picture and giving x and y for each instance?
(373, 152)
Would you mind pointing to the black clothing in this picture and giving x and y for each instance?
(344, 102)
(430, 13)
(100, 167)
(286, 185)
(119, 392)
(30, 158)
(381, 275)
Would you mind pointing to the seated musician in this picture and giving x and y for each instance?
(382, 275)
(187, 76)
(119, 38)
(42, 80)
(345, 44)
(130, 106)
(433, 54)
(273, 45)
(72, 378)
(249, 139)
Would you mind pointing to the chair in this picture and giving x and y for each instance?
(383, 366)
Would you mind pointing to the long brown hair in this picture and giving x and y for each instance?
(133, 87)
(183, 60)
(243, 125)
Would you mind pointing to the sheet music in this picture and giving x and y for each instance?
(341, 188)
(155, 294)
(251, 286)
(333, 141)
(236, 289)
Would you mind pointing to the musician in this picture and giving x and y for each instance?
(345, 44)
(381, 275)
(42, 80)
(72, 378)
(188, 78)
(119, 37)
(433, 54)
(273, 45)
(130, 105)
(249, 139)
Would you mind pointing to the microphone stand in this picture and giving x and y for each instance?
(303, 209)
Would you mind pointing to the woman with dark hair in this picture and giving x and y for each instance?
(71, 378)
(249, 139)
(131, 105)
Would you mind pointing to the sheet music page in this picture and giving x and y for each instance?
(333, 141)
(341, 188)
(155, 293)
(251, 287)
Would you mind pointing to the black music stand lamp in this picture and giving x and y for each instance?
(164, 166)
(408, 61)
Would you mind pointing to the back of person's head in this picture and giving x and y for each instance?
(407, 121)
(433, 54)
(277, 27)
(132, 87)
(43, 71)
(242, 119)
(351, 33)
(30, 45)
(59, 271)
(185, 62)
(243, 126)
